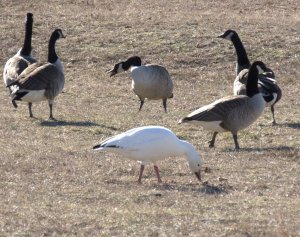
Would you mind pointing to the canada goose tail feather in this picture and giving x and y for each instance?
(18, 95)
(185, 120)
(13, 83)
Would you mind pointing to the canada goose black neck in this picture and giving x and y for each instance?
(132, 61)
(52, 56)
(242, 57)
(251, 87)
(26, 49)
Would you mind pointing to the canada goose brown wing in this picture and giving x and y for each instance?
(219, 110)
(37, 77)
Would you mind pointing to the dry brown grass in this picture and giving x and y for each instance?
(53, 184)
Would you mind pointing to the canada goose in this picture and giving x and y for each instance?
(232, 113)
(150, 144)
(148, 81)
(266, 80)
(22, 59)
(41, 81)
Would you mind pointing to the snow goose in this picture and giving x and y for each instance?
(151, 144)
(41, 81)
(231, 113)
(16, 64)
(148, 81)
(266, 81)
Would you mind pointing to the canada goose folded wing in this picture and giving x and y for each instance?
(37, 77)
(218, 110)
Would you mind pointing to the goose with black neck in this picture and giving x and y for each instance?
(266, 81)
(22, 59)
(232, 113)
(41, 81)
(150, 81)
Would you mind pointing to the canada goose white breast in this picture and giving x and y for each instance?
(151, 81)
(59, 65)
(245, 115)
(239, 85)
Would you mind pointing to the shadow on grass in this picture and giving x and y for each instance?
(291, 125)
(55, 123)
(261, 149)
(205, 188)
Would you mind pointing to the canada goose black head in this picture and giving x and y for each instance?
(56, 34)
(228, 34)
(124, 66)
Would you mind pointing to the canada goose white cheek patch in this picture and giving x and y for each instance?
(228, 37)
(120, 68)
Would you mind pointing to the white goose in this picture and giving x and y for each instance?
(150, 144)
(148, 81)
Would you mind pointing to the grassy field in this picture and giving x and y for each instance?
(53, 184)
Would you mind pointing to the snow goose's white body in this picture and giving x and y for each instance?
(150, 144)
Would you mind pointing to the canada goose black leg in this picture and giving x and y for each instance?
(141, 174)
(157, 174)
(141, 105)
(30, 110)
(14, 104)
(51, 115)
(272, 110)
(237, 146)
(212, 141)
(165, 104)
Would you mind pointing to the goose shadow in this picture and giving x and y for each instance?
(261, 149)
(205, 188)
(291, 125)
(56, 123)
(200, 188)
